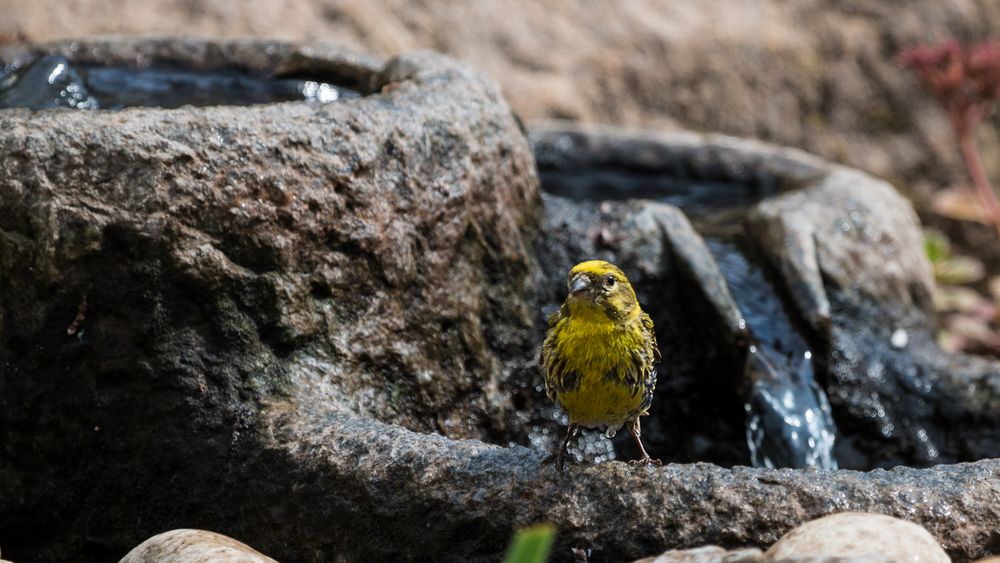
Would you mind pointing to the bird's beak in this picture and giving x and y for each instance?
(579, 284)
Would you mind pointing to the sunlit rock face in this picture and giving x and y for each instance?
(339, 226)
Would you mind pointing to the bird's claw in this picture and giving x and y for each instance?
(645, 462)
(555, 459)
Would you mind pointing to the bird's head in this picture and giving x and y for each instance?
(599, 287)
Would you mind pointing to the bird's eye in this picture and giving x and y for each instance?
(610, 281)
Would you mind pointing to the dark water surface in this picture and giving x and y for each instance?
(52, 82)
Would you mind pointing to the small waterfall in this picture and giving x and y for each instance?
(789, 423)
(788, 417)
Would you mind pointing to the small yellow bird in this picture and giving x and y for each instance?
(598, 355)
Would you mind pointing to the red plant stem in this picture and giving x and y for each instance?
(987, 197)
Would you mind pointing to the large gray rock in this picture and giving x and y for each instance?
(356, 228)
(163, 271)
(850, 232)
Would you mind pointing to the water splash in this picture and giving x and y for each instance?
(789, 422)
(48, 83)
(589, 445)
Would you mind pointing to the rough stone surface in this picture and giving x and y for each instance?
(163, 270)
(864, 234)
(386, 478)
(853, 535)
(194, 546)
(302, 219)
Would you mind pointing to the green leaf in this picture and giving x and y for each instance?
(936, 245)
(531, 545)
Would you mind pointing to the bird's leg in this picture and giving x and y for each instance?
(560, 455)
(633, 429)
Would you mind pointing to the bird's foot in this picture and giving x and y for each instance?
(646, 462)
(557, 459)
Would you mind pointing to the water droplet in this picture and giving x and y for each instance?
(900, 338)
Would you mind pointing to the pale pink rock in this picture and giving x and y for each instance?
(858, 536)
(194, 546)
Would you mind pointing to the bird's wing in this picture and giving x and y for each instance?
(647, 326)
(557, 315)
(547, 357)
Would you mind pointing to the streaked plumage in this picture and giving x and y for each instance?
(599, 354)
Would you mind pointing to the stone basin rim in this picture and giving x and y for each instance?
(808, 168)
(512, 481)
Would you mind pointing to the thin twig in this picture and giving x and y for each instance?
(987, 197)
